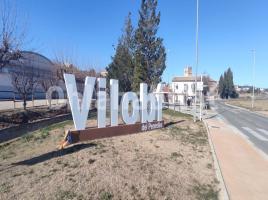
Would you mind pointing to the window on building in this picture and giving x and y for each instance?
(193, 87)
(185, 88)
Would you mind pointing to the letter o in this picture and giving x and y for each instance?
(130, 97)
(54, 89)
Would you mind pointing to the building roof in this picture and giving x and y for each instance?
(104, 73)
(189, 79)
(185, 79)
(33, 59)
(37, 55)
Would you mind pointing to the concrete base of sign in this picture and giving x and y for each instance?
(72, 137)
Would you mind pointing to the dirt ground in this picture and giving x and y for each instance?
(15, 117)
(171, 163)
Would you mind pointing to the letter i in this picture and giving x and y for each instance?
(101, 106)
(114, 101)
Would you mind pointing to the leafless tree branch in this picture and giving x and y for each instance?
(11, 35)
(25, 80)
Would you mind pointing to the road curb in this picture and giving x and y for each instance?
(224, 195)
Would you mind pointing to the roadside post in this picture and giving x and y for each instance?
(196, 56)
(253, 78)
(201, 96)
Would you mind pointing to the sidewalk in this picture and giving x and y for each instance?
(244, 168)
(187, 110)
(9, 105)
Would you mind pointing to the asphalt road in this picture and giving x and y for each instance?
(253, 126)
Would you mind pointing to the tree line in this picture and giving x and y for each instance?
(226, 85)
(140, 54)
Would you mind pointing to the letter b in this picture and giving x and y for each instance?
(145, 99)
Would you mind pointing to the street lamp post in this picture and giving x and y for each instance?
(196, 54)
(253, 79)
(201, 98)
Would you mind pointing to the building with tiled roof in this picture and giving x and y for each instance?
(184, 86)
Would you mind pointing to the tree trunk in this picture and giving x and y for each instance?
(14, 99)
(24, 103)
(32, 100)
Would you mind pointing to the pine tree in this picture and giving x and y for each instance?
(226, 85)
(231, 88)
(122, 65)
(150, 53)
(221, 87)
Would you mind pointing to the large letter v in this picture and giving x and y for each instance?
(79, 113)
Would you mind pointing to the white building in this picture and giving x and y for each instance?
(183, 87)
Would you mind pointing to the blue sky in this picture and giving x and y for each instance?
(87, 30)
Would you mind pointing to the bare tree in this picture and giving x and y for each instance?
(11, 35)
(48, 79)
(62, 68)
(65, 64)
(25, 81)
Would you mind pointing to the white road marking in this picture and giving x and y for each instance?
(263, 131)
(255, 134)
(234, 111)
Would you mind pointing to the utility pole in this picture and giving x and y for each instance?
(253, 78)
(201, 98)
(196, 54)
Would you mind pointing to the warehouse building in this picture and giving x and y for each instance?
(32, 63)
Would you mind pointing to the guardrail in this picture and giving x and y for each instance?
(9, 95)
(18, 104)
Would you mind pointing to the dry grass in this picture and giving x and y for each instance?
(259, 105)
(172, 163)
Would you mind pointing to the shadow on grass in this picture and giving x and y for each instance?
(172, 123)
(54, 154)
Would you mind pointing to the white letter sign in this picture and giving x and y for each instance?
(145, 99)
(101, 102)
(147, 109)
(79, 113)
(126, 99)
(114, 102)
(139, 115)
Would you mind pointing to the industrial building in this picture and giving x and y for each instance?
(32, 63)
